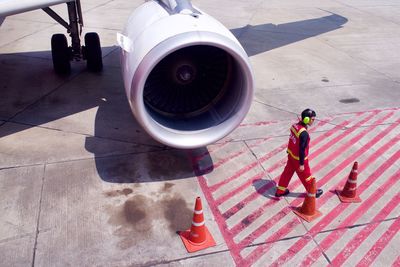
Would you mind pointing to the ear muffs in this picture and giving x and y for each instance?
(306, 120)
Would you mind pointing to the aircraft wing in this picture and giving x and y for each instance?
(12, 7)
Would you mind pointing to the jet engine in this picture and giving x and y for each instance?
(188, 80)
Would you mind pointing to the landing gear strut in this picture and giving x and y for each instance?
(62, 53)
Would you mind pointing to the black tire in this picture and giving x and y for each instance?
(60, 53)
(92, 52)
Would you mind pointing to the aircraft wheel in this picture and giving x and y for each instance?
(92, 52)
(60, 53)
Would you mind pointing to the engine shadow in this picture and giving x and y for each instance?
(257, 39)
(123, 152)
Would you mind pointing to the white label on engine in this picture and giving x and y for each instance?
(124, 42)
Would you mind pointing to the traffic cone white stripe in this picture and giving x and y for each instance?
(198, 211)
(352, 181)
(198, 224)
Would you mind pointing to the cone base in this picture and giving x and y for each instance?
(193, 247)
(306, 217)
(344, 199)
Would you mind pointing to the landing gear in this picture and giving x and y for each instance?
(62, 54)
(92, 52)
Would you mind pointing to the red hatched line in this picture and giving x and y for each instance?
(340, 150)
(373, 253)
(247, 168)
(279, 164)
(236, 229)
(290, 252)
(381, 109)
(285, 229)
(396, 263)
(243, 186)
(356, 241)
(222, 144)
(366, 204)
(288, 227)
(235, 155)
(235, 250)
(335, 212)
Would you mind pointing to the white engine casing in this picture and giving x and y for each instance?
(189, 40)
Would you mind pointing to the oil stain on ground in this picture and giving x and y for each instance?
(137, 218)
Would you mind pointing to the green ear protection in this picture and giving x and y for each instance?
(306, 120)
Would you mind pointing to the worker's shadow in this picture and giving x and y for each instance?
(267, 188)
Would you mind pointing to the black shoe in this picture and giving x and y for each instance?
(283, 194)
(319, 193)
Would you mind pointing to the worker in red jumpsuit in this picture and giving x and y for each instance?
(297, 150)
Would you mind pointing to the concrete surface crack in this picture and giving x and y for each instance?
(38, 216)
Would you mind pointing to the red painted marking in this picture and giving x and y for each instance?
(338, 151)
(396, 263)
(259, 250)
(249, 219)
(220, 145)
(229, 235)
(237, 154)
(296, 202)
(233, 249)
(208, 151)
(301, 243)
(362, 209)
(264, 158)
(357, 240)
(374, 252)
(381, 109)
(253, 196)
(327, 219)
(347, 144)
(237, 190)
(247, 168)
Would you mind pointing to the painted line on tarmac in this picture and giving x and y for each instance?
(361, 209)
(221, 217)
(383, 241)
(396, 263)
(332, 215)
(280, 215)
(357, 240)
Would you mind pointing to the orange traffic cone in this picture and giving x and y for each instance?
(307, 211)
(349, 192)
(198, 237)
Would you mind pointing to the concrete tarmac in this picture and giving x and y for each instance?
(82, 184)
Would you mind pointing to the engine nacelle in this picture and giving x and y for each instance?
(188, 80)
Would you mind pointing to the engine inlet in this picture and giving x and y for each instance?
(188, 82)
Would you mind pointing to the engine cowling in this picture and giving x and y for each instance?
(188, 80)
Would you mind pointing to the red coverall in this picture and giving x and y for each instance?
(292, 164)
